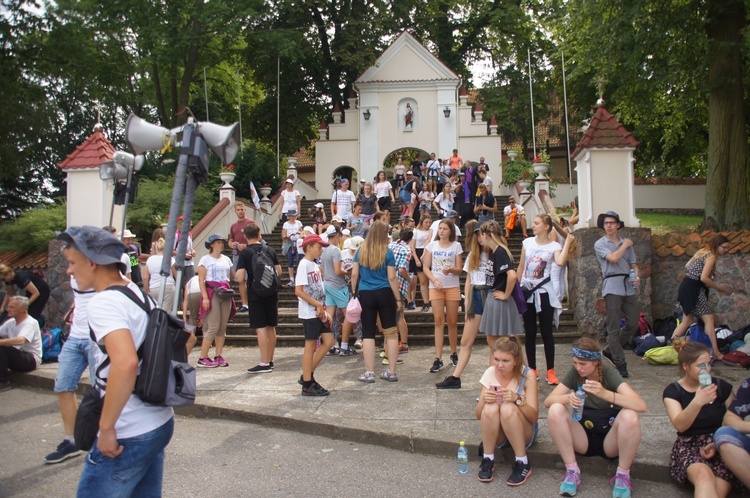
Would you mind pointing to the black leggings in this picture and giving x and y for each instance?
(374, 303)
(546, 317)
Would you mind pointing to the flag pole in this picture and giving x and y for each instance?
(531, 94)
(567, 127)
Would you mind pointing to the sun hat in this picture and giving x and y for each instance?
(609, 214)
(97, 244)
(213, 238)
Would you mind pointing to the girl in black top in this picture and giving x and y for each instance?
(697, 412)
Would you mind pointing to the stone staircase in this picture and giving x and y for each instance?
(421, 324)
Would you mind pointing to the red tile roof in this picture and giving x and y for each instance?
(20, 261)
(679, 244)
(95, 150)
(305, 158)
(605, 132)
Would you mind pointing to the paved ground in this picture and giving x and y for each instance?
(410, 415)
(228, 458)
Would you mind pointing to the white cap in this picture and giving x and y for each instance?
(289, 180)
(308, 229)
(319, 205)
(355, 242)
(337, 218)
(331, 230)
(346, 231)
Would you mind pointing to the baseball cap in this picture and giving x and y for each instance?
(291, 212)
(345, 180)
(97, 244)
(289, 180)
(332, 230)
(337, 218)
(355, 242)
(451, 214)
(346, 231)
(308, 229)
(213, 238)
(319, 205)
(311, 239)
(409, 173)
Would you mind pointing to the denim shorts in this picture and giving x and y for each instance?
(477, 302)
(535, 426)
(337, 297)
(730, 435)
(137, 471)
(75, 356)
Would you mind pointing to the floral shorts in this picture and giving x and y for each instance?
(687, 451)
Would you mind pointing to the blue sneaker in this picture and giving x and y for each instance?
(571, 483)
(64, 450)
(622, 487)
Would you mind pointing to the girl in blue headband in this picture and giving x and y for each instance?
(609, 427)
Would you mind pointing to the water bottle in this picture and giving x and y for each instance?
(633, 278)
(704, 378)
(463, 458)
(578, 412)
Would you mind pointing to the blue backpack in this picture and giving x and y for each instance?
(404, 195)
(697, 334)
(52, 343)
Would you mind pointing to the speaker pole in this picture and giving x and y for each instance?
(187, 215)
(127, 198)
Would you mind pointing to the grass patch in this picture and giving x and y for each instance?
(661, 223)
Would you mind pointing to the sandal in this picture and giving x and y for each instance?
(367, 377)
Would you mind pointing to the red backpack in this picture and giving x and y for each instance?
(643, 326)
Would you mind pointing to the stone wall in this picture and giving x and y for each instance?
(61, 295)
(585, 277)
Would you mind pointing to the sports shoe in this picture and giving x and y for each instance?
(521, 472)
(486, 468)
(450, 382)
(411, 306)
(207, 363)
(382, 354)
(437, 365)
(65, 450)
(334, 351)
(290, 283)
(220, 361)
(454, 359)
(403, 348)
(347, 352)
(386, 362)
(367, 377)
(358, 344)
(571, 483)
(315, 390)
(426, 308)
(552, 377)
(242, 309)
(389, 376)
(302, 382)
(260, 369)
(270, 363)
(535, 372)
(622, 487)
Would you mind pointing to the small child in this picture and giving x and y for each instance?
(316, 323)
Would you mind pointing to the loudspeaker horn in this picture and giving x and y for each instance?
(224, 141)
(112, 170)
(143, 136)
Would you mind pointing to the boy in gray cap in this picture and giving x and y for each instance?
(118, 326)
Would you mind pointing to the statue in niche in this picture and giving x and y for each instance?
(408, 117)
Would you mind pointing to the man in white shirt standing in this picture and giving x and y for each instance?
(20, 341)
(342, 201)
(128, 455)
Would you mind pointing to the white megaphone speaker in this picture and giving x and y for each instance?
(143, 136)
(224, 141)
(128, 160)
(112, 170)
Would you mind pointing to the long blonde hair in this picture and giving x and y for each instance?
(492, 229)
(472, 243)
(374, 248)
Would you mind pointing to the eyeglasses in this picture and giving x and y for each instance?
(610, 223)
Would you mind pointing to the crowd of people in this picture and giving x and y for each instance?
(354, 278)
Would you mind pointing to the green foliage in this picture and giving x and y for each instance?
(255, 163)
(662, 223)
(516, 171)
(33, 229)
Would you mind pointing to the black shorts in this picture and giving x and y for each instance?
(417, 269)
(376, 303)
(596, 445)
(263, 312)
(384, 203)
(313, 327)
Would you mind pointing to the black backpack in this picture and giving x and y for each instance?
(165, 377)
(265, 282)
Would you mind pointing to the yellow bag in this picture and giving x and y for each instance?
(664, 355)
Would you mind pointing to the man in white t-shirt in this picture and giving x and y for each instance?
(451, 215)
(512, 220)
(342, 201)
(20, 341)
(128, 454)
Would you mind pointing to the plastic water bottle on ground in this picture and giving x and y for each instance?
(633, 278)
(463, 458)
(578, 412)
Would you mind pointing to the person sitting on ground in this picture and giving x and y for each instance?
(319, 218)
(508, 409)
(609, 427)
(732, 440)
(33, 283)
(696, 412)
(20, 341)
(514, 214)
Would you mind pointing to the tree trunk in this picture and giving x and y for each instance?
(727, 202)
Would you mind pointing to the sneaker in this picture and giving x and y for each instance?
(367, 377)
(535, 372)
(622, 487)
(450, 382)
(571, 483)
(403, 348)
(358, 344)
(260, 369)
(242, 309)
(302, 382)
(220, 361)
(315, 390)
(334, 351)
(411, 306)
(347, 352)
(521, 472)
(552, 377)
(454, 359)
(290, 283)
(426, 308)
(437, 365)
(623, 369)
(386, 362)
(270, 364)
(207, 363)
(65, 450)
(389, 376)
(486, 468)
(382, 354)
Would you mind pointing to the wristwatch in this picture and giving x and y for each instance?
(520, 401)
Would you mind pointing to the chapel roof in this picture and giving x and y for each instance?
(605, 132)
(94, 151)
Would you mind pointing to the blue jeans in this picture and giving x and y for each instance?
(137, 471)
(731, 435)
(75, 356)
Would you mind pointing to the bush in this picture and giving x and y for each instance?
(33, 229)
